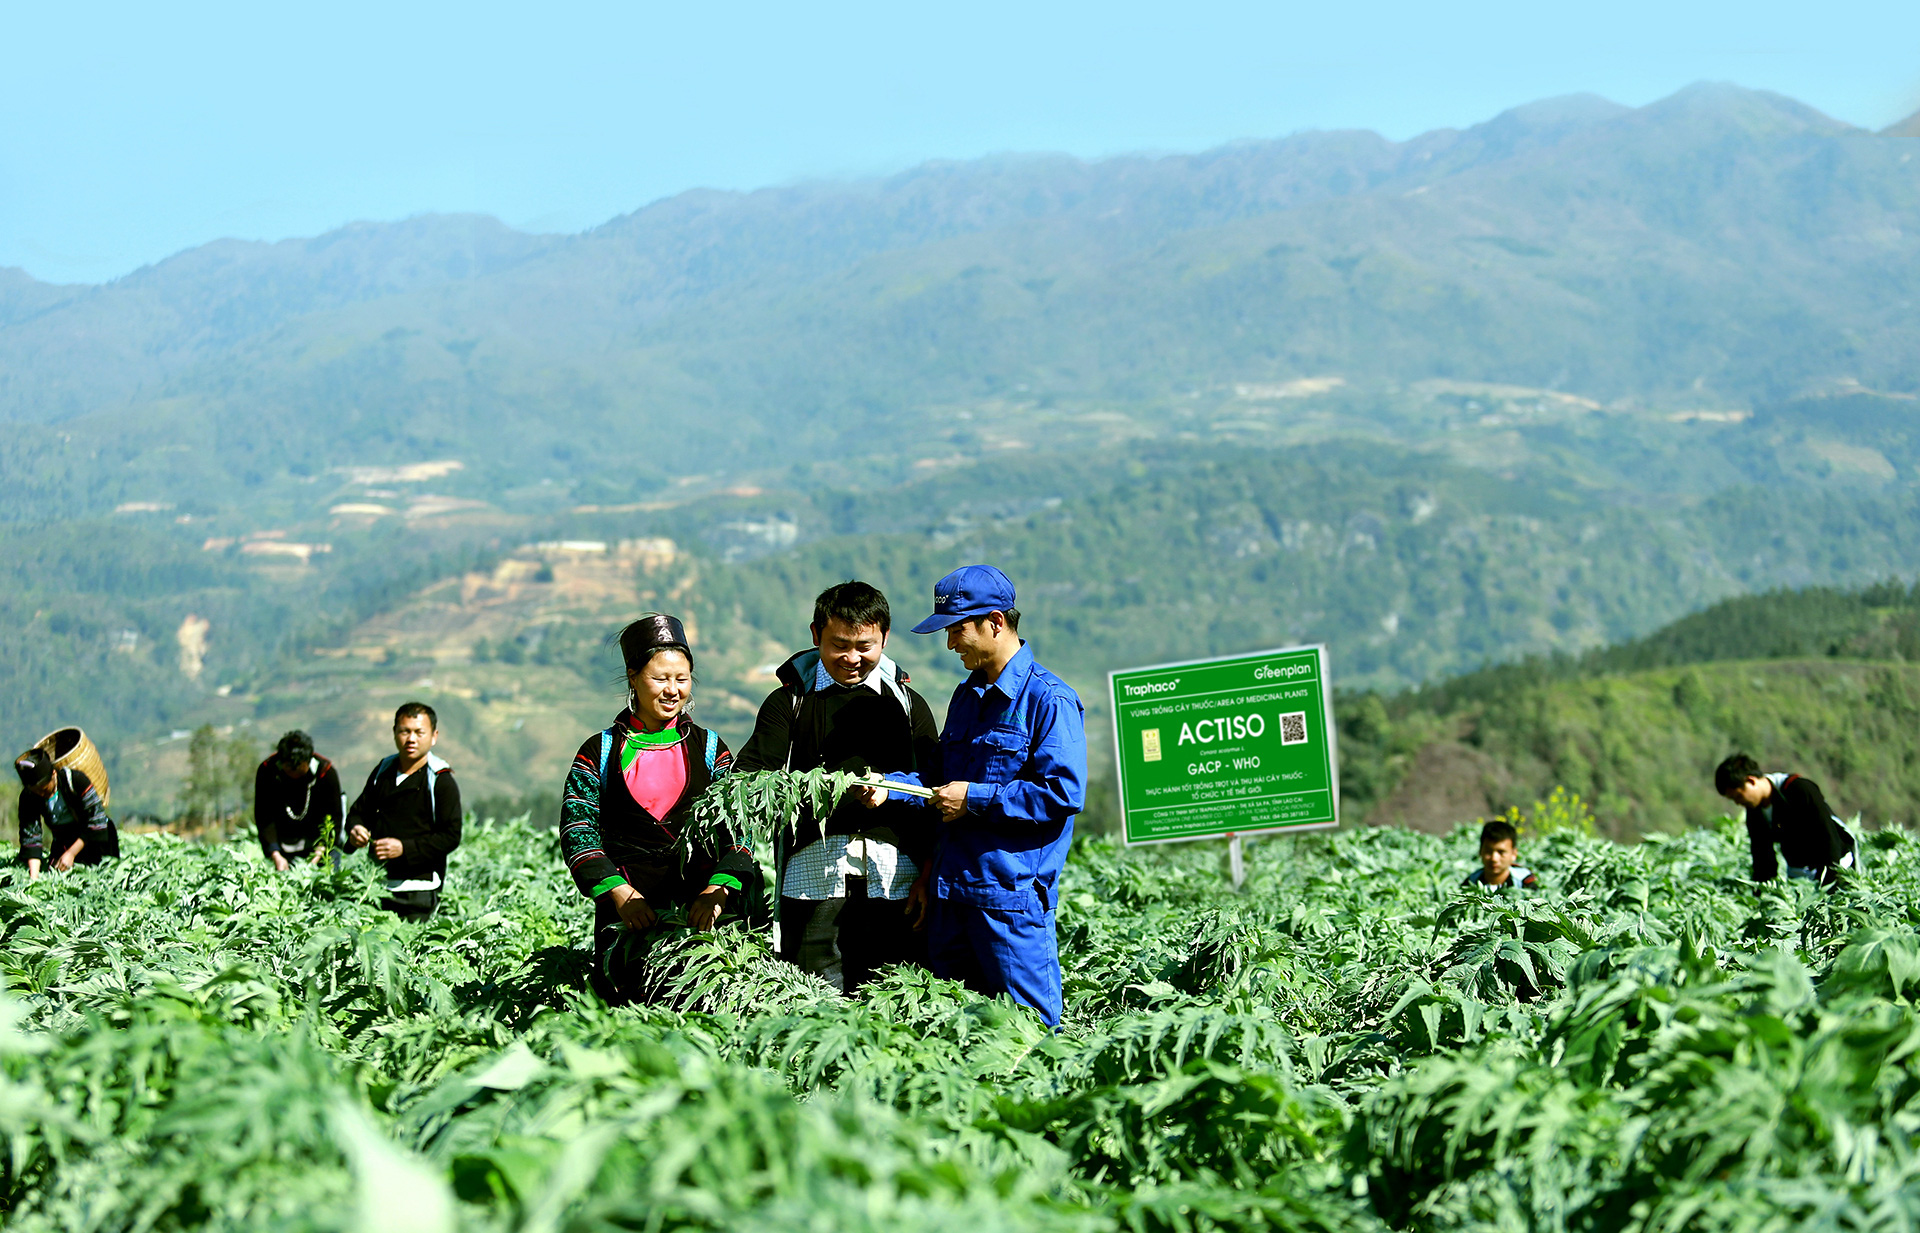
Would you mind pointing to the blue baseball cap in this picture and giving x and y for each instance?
(970, 591)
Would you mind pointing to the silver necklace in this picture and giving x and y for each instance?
(292, 816)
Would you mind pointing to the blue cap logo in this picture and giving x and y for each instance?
(970, 591)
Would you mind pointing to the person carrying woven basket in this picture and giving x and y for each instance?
(627, 800)
(61, 813)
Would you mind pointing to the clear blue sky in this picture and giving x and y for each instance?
(133, 131)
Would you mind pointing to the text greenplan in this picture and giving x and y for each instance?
(1225, 746)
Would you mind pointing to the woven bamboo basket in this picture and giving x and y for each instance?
(71, 748)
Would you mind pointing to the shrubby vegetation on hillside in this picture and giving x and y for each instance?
(1355, 1043)
(1823, 682)
(93, 611)
(1410, 568)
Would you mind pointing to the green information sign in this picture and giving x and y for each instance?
(1226, 746)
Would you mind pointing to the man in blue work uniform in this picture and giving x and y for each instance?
(1013, 763)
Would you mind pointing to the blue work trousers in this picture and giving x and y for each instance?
(998, 950)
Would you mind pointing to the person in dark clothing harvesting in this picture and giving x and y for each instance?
(626, 802)
(844, 705)
(1787, 811)
(61, 813)
(408, 815)
(297, 802)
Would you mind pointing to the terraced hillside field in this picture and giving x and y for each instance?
(1355, 1042)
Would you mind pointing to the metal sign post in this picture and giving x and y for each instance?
(1226, 747)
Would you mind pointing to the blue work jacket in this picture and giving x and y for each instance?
(1021, 743)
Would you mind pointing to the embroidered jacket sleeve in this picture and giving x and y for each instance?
(580, 843)
(93, 809)
(31, 812)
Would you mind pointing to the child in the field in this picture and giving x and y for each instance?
(1499, 849)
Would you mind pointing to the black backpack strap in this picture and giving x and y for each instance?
(796, 698)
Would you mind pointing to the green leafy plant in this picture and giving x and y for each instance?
(190, 1040)
(758, 805)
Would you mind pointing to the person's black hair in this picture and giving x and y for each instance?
(649, 635)
(34, 767)
(1494, 832)
(853, 602)
(297, 746)
(409, 709)
(1012, 615)
(651, 652)
(1735, 771)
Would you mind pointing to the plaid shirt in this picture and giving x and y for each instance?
(821, 869)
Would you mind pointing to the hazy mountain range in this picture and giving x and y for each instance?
(1720, 248)
(1542, 384)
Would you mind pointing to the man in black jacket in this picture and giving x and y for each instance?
(63, 807)
(1788, 811)
(409, 813)
(297, 802)
(844, 705)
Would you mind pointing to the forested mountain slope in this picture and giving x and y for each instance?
(1537, 386)
(1719, 248)
(1409, 566)
(1821, 682)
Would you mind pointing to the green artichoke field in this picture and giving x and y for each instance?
(1356, 1041)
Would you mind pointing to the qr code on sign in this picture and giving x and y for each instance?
(1293, 728)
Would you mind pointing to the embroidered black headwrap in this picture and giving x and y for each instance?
(655, 631)
(34, 767)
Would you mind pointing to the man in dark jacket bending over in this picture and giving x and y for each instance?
(1788, 811)
(409, 813)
